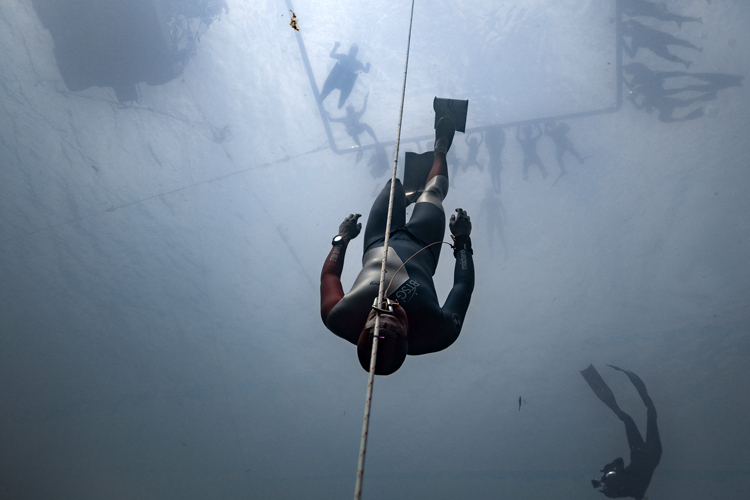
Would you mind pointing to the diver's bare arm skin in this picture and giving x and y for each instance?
(331, 290)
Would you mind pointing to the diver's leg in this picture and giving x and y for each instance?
(560, 151)
(639, 386)
(631, 430)
(427, 221)
(663, 52)
(331, 82)
(538, 162)
(653, 442)
(376, 221)
(346, 84)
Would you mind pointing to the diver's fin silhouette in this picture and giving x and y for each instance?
(600, 388)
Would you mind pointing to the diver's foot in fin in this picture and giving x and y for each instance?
(444, 132)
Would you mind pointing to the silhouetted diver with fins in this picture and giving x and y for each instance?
(643, 8)
(654, 40)
(344, 74)
(353, 126)
(618, 480)
(642, 75)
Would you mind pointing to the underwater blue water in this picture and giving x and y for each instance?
(160, 334)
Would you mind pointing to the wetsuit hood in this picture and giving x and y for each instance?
(392, 343)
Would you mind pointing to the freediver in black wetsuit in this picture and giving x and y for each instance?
(417, 323)
(495, 142)
(643, 8)
(618, 480)
(344, 74)
(643, 37)
(527, 137)
(353, 126)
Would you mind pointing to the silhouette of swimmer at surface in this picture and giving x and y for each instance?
(471, 156)
(641, 75)
(643, 37)
(495, 142)
(344, 74)
(353, 126)
(558, 132)
(642, 8)
(657, 98)
(618, 480)
(527, 136)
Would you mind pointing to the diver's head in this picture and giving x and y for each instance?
(392, 343)
(353, 50)
(392, 349)
(613, 481)
(527, 130)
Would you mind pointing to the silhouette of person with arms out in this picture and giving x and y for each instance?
(471, 156)
(492, 207)
(643, 37)
(527, 136)
(618, 480)
(344, 74)
(643, 8)
(558, 132)
(642, 76)
(495, 142)
(353, 126)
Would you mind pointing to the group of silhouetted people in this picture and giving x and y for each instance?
(647, 87)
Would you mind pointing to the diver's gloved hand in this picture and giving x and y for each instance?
(350, 228)
(460, 223)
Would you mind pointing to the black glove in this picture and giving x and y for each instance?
(350, 228)
(460, 223)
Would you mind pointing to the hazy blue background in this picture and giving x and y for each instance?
(160, 334)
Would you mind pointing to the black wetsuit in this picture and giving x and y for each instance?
(617, 480)
(431, 328)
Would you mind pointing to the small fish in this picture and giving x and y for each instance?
(519, 403)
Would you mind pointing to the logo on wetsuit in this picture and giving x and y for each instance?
(456, 322)
(407, 291)
(463, 261)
